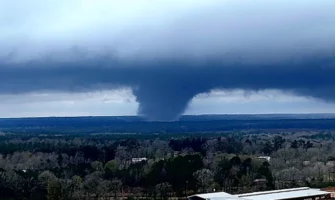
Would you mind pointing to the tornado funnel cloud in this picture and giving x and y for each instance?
(165, 102)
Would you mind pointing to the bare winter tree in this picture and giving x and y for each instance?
(163, 189)
(204, 179)
(115, 186)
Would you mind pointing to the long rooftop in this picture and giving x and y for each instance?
(293, 193)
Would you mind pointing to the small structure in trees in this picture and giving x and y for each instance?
(137, 160)
(265, 158)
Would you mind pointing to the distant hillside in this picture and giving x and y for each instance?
(188, 123)
(256, 116)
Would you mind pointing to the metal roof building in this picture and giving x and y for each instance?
(303, 193)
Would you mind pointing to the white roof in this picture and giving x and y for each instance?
(283, 194)
(213, 195)
(267, 195)
(276, 191)
(231, 197)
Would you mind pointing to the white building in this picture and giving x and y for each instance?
(267, 158)
(303, 193)
(137, 160)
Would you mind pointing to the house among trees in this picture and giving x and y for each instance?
(265, 158)
(137, 160)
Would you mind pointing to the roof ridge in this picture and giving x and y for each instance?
(274, 191)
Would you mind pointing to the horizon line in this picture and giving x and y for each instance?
(138, 116)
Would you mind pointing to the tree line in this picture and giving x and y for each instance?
(108, 166)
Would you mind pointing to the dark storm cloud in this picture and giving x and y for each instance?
(164, 91)
(249, 45)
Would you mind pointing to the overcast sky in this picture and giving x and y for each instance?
(164, 58)
(108, 103)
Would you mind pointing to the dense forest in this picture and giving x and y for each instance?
(161, 166)
(187, 124)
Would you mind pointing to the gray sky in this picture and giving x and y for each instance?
(123, 103)
(163, 58)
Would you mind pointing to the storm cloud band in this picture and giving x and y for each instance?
(165, 88)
